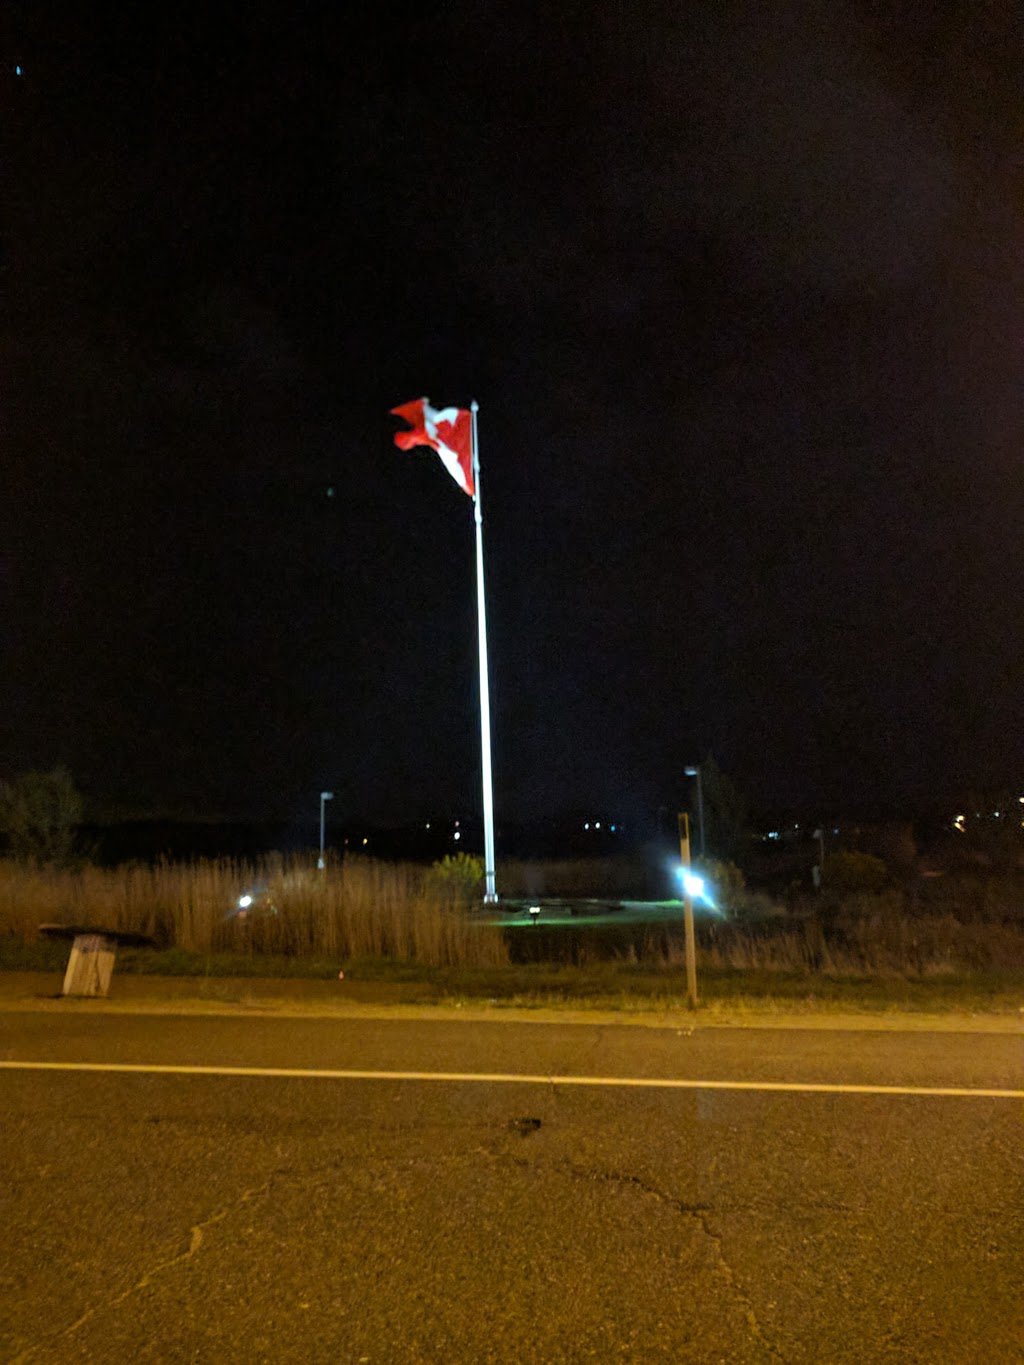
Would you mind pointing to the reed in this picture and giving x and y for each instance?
(364, 909)
(361, 909)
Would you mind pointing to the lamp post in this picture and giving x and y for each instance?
(694, 771)
(324, 798)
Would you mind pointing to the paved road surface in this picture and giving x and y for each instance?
(221, 1218)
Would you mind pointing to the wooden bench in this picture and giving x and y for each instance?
(91, 964)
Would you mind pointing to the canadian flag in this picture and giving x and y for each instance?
(449, 431)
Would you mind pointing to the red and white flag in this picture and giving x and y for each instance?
(449, 431)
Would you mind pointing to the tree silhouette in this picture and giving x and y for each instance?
(725, 812)
(39, 817)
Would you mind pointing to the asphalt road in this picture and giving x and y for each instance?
(165, 1217)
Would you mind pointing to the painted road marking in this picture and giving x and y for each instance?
(512, 1078)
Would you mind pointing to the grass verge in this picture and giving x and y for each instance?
(608, 985)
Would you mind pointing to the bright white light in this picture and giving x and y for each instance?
(587, 825)
(597, 824)
(456, 835)
(696, 888)
(244, 902)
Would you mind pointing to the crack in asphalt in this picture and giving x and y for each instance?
(698, 1212)
(597, 1043)
(197, 1234)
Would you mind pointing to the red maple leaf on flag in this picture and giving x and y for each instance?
(449, 431)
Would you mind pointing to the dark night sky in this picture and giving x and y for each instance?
(739, 288)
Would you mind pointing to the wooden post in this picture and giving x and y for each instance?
(90, 966)
(93, 949)
(691, 940)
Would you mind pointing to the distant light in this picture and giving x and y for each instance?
(326, 796)
(428, 824)
(773, 834)
(535, 910)
(597, 824)
(366, 841)
(244, 902)
(17, 70)
(996, 814)
(691, 771)
(587, 825)
(456, 835)
(612, 828)
(1021, 800)
(330, 492)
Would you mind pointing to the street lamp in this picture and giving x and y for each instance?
(324, 797)
(694, 771)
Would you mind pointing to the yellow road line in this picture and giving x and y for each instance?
(513, 1078)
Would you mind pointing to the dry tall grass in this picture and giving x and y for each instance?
(360, 909)
(369, 909)
(883, 942)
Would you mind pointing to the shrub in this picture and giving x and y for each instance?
(728, 888)
(847, 873)
(456, 877)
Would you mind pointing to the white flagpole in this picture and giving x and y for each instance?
(490, 895)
